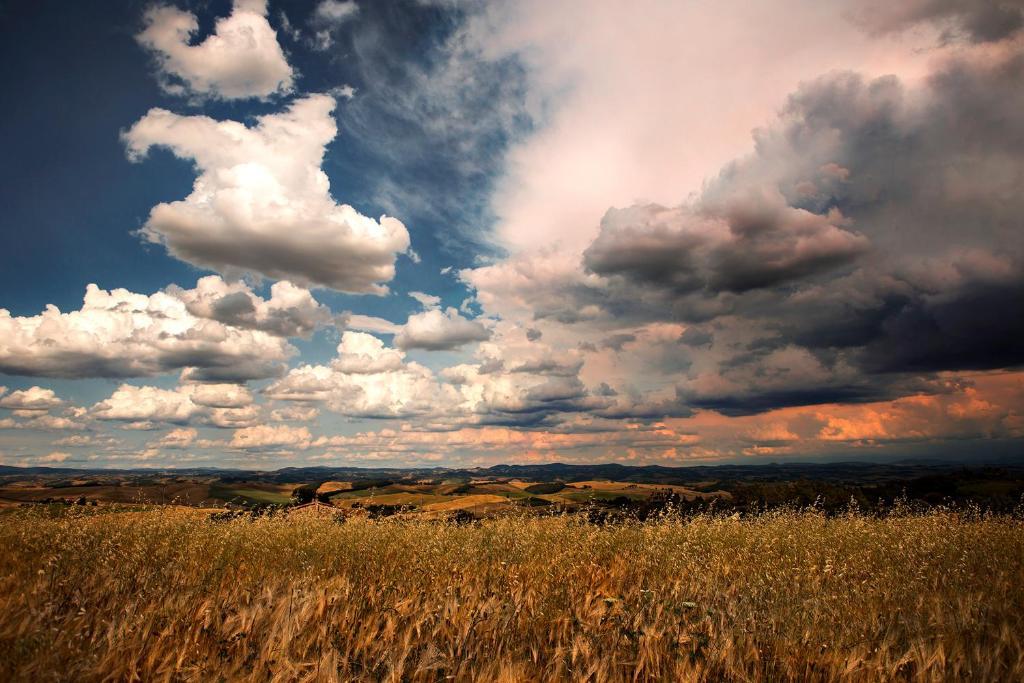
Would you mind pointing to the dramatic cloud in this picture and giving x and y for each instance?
(262, 204)
(640, 281)
(751, 242)
(289, 312)
(370, 380)
(240, 59)
(582, 441)
(978, 20)
(868, 241)
(122, 334)
(613, 95)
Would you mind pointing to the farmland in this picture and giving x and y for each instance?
(164, 593)
(539, 490)
(596, 573)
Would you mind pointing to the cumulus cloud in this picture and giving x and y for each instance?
(437, 330)
(405, 392)
(32, 399)
(262, 204)
(82, 440)
(290, 311)
(136, 404)
(264, 437)
(55, 457)
(219, 395)
(182, 437)
(648, 62)
(225, 406)
(365, 354)
(118, 333)
(748, 243)
(865, 244)
(240, 59)
(370, 380)
(45, 422)
(295, 413)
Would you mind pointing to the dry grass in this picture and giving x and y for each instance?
(167, 595)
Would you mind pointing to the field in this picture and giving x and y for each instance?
(613, 490)
(398, 494)
(88, 594)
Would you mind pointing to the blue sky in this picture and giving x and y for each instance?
(570, 231)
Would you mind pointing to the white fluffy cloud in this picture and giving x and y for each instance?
(31, 399)
(437, 330)
(291, 311)
(136, 404)
(262, 204)
(226, 406)
(262, 437)
(122, 334)
(44, 422)
(183, 437)
(367, 379)
(371, 380)
(241, 59)
(406, 392)
(219, 395)
(365, 354)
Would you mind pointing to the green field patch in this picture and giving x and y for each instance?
(249, 495)
(404, 498)
(545, 487)
(589, 495)
(366, 493)
(453, 488)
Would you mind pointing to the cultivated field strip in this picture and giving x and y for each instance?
(167, 595)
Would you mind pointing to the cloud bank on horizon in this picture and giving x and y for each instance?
(603, 236)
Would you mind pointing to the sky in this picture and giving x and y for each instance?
(261, 234)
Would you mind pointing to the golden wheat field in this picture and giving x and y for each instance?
(167, 595)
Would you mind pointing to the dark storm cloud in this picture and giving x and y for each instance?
(616, 341)
(976, 20)
(695, 336)
(737, 404)
(744, 243)
(875, 236)
(902, 325)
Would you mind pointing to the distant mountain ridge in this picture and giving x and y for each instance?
(568, 472)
